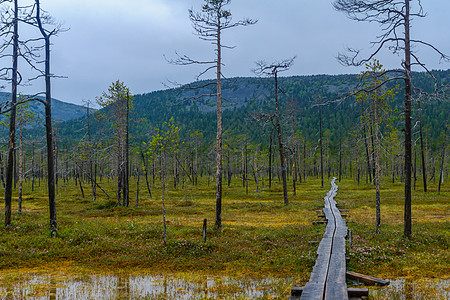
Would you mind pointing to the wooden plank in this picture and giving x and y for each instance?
(296, 291)
(358, 292)
(344, 210)
(369, 280)
(319, 222)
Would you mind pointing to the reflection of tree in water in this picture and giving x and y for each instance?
(408, 290)
(52, 295)
(123, 287)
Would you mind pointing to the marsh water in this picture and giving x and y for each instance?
(186, 286)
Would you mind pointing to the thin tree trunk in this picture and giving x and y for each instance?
(280, 142)
(163, 197)
(48, 126)
(81, 185)
(1, 171)
(304, 161)
(146, 174)
(137, 187)
(357, 165)
(246, 167)
(20, 162)
(270, 160)
(218, 222)
(408, 92)
(12, 121)
(320, 140)
(229, 168)
(126, 189)
(422, 148)
(415, 167)
(377, 164)
(369, 173)
(340, 160)
(32, 167)
(441, 171)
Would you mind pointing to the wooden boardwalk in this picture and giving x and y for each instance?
(327, 280)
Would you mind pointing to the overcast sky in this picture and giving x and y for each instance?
(127, 40)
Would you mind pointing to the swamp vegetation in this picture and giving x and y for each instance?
(263, 242)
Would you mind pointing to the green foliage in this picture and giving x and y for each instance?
(374, 91)
(165, 141)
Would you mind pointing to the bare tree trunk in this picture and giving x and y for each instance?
(1, 171)
(126, 190)
(372, 156)
(256, 172)
(408, 92)
(340, 160)
(304, 161)
(422, 148)
(320, 141)
(48, 127)
(163, 171)
(81, 184)
(137, 187)
(377, 164)
(218, 222)
(228, 168)
(270, 160)
(12, 121)
(415, 167)
(20, 164)
(90, 151)
(146, 174)
(246, 167)
(280, 142)
(32, 167)
(369, 173)
(358, 171)
(119, 175)
(441, 171)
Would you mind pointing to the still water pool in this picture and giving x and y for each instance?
(186, 286)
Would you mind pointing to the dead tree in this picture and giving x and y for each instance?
(12, 118)
(441, 170)
(321, 148)
(422, 149)
(47, 34)
(209, 25)
(394, 17)
(10, 17)
(272, 70)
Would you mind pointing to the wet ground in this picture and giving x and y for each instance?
(187, 286)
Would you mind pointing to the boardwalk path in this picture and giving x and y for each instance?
(327, 280)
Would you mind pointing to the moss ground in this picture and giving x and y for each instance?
(260, 237)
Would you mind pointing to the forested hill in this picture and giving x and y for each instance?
(61, 111)
(247, 100)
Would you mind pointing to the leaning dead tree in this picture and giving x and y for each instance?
(394, 17)
(209, 25)
(273, 69)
